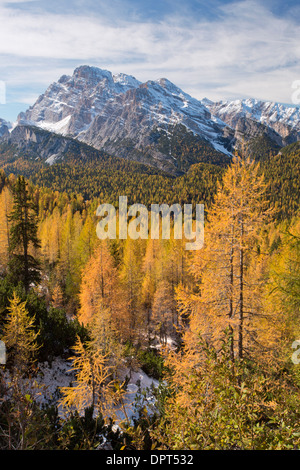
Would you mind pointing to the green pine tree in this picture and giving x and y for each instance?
(23, 266)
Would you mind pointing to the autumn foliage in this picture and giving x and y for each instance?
(216, 325)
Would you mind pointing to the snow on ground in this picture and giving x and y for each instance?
(139, 393)
(59, 374)
(51, 378)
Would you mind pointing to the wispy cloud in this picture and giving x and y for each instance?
(245, 50)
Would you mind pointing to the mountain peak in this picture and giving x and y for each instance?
(94, 74)
(88, 72)
(126, 80)
(123, 116)
(206, 102)
(4, 127)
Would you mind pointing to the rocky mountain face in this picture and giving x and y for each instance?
(125, 117)
(154, 122)
(36, 143)
(70, 105)
(251, 118)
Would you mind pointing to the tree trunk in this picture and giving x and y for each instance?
(241, 296)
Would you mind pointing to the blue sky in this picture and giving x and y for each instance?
(217, 49)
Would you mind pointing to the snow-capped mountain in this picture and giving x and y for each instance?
(282, 119)
(74, 104)
(70, 105)
(154, 122)
(123, 116)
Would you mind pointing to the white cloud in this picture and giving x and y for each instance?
(245, 52)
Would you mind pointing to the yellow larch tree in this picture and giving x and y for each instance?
(229, 272)
(131, 275)
(19, 336)
(6, 202)
(101, 296)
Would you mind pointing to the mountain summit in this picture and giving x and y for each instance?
(125, 117)
(70, 105)
(154, 122)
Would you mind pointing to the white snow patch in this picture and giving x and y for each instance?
(59, 127)
(221, 148)
(139, 386)
(60, 374)
(51, 378)
(50, 160)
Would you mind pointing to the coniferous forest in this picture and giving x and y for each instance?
(123, 344)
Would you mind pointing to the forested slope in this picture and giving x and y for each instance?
(217, 325)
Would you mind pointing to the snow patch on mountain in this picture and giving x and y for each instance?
(59, 127)
(52, 159)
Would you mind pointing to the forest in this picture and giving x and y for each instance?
(214, 330)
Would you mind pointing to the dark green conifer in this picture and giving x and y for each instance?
(23, 266)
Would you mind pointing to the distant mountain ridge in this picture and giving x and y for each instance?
(4, 127)
(154, 123)
(281, 122)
